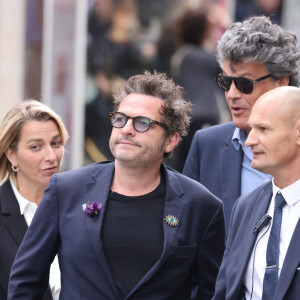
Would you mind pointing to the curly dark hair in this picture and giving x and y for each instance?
(175, 110)
(257, 39)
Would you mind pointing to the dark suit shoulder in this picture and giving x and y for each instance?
(8, 201)
(195, 190)
(216, 133)
(77, 175)
(5, 188)
(246, 201)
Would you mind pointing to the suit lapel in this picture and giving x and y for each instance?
(174, 205)
(261, 205)
(230, 172)
(290, 264)
(98, 189)
(12, 218)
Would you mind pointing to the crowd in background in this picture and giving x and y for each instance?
(126, 37)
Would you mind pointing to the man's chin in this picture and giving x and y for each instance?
(259, 167)
(240, 123)
(126, 159)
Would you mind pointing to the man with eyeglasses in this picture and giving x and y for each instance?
(132, 228)
(255, 56)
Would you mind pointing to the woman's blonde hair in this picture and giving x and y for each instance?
(14, 120)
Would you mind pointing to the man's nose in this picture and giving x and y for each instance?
(128, 127)
(251, 139)
(233, 92)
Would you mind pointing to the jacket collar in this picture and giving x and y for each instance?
(9, 203)
(230, 175)
(12, 218)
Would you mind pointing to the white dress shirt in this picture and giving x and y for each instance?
(28, 209)
(290, 216)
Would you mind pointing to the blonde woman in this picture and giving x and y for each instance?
(32, 138)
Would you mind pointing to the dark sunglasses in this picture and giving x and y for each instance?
(140, 124)
(244, 85)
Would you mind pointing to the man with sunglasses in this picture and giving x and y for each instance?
(132, 228)
(255, 56)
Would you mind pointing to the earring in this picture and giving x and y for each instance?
(15, 168)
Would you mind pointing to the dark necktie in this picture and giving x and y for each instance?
(271, 272)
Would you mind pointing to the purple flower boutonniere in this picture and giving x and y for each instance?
(92, 208)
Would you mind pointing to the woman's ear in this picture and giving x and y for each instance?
(11, 156)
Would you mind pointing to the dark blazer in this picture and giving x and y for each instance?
(194, 248)
(12, 230)
(247, 211)
(214, 162)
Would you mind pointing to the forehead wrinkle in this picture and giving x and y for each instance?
(238, 67)
(40, 139)
(242, 74)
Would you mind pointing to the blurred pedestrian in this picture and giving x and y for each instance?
(194, 67)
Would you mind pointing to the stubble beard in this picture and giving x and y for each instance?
(138, 160)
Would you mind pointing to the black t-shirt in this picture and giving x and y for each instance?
(133, 235)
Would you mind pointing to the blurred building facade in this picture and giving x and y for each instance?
(46, 54)
(42, 56)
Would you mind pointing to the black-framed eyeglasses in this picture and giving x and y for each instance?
(244, 85)
(139, 123)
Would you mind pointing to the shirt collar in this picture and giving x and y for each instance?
(291, 193)
(23, 202)
(238, 138)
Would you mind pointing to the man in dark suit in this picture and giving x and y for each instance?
(144, 231)
(255, 56)
(256, 251)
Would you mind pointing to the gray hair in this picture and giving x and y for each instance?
(258, 40)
